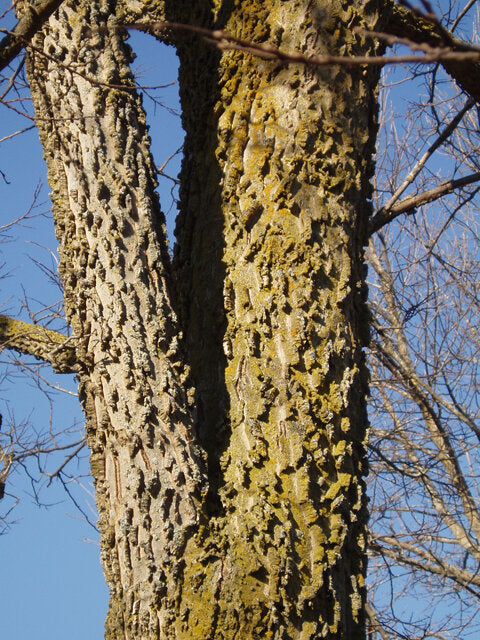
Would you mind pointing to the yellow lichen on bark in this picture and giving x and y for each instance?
(291, 147)
(40, 342)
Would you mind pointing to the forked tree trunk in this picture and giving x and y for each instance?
(238, 510)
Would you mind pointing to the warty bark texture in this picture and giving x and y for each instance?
(273, 220)
(275, 188)
(114, 268)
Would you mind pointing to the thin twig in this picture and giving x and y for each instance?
(225, 41)
(444, 135)
(12, 78)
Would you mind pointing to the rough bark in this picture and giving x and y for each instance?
(274, 217)
(114, 268)
(271, 230)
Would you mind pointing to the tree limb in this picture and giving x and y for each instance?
(227, 42)
(32, 21)
(35, 340)
(410, 204)
(374, 623)
(409, 554)
(404, 23)
(6, 459)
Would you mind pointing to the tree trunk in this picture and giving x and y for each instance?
(237, 510)
(115, 272)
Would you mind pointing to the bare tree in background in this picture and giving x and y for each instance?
(425, 429)
(424, 439)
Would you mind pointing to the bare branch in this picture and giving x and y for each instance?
(12, 78)
(420, 28)
(441, 138)
(227, 42)
(410, 204)
(28, 25)
(374, 623)
(35, 340)
(424, 560)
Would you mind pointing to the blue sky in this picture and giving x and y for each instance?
(52, 585)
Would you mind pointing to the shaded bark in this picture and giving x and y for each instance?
(267, 539)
